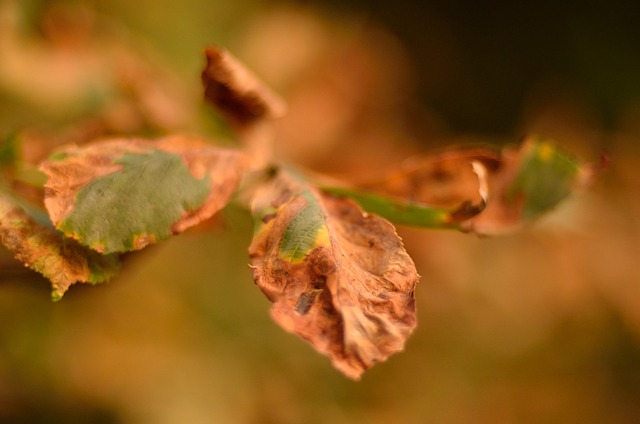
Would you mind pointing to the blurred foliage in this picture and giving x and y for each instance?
(541, 326)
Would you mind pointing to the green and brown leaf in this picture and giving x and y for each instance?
(530, 181)
(338, 277)
(482, 190)
(39, 246)
(124, 194)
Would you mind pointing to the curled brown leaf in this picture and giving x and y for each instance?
(455, 180)
(236, 92)
(338, 277)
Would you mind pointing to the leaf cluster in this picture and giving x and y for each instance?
(324, 252)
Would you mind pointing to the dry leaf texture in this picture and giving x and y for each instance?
(45, 250)
(337, 277)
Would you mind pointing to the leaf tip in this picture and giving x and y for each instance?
(56, 294)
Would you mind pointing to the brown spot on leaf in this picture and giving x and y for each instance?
(143, 240)
(268, 217)
(306, 300)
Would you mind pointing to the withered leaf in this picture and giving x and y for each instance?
(236, 92)
(39, 246)
(124, 194)
(445, 180)
(438, 191)
(482, 190)
(337, 277)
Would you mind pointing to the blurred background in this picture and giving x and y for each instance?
(542, 326)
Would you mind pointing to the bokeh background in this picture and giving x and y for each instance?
(540, 326)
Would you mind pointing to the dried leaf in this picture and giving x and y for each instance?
(337, 277)
(437, 191)
(121, 195)
(236, 92)
(35, 242)
(445, 180)
(474, 189)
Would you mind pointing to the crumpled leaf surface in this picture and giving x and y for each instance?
(236, 91)
(474, 189)
(338, 277)
(39, 246)
(124, 194)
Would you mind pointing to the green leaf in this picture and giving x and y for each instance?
(398, 211)
(545, 177)
(40, 247)
(140, 201)
(304, 231)
(122, 195)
